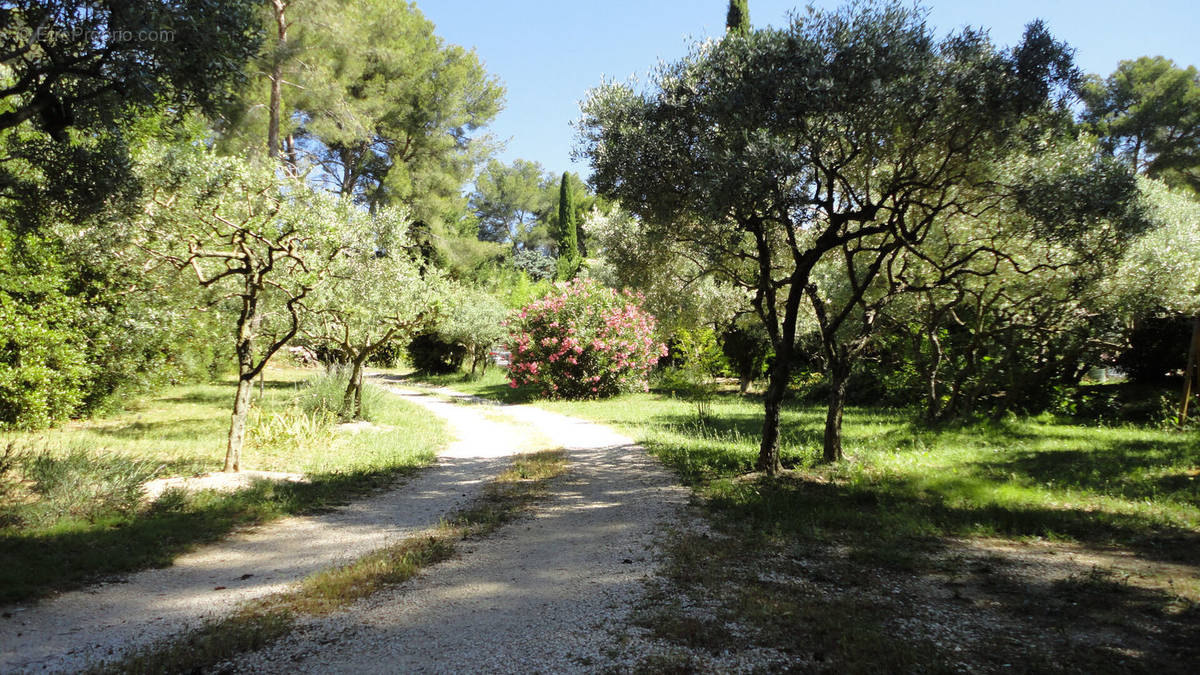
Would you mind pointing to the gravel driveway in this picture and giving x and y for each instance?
(535, 596)
(539, 596)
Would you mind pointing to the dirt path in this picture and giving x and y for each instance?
(537, 597)
(76, 628)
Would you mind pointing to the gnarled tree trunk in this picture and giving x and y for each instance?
(768, 451)
(839, 375)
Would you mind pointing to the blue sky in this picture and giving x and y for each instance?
(549, 53)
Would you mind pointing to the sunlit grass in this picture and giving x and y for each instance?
(1038, 477)
(182, 432)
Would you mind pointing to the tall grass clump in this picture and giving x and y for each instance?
(42, 488)
(323, 396)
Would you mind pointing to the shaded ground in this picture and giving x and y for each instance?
(1027, 545)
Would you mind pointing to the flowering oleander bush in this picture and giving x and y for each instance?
(583, 341)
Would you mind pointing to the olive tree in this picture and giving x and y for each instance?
(374, 293)
(474, 319)
(770, 152)
(999, 307)
(254, 242)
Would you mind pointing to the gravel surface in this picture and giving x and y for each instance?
(69, 631)
(548, 594)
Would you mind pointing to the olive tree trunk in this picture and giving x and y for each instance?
(352, 400)
(839, 375)
(237, 425)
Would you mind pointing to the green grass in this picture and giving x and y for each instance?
(182, 432)
(1032, 477)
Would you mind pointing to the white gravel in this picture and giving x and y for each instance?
(71, 630)
(545, 594)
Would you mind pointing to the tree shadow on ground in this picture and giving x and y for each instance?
(166, 430)
(1133, 469)
(218, 397)
(890, 518)
(71, 555)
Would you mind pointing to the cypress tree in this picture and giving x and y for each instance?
(568, 238)
(737, 21)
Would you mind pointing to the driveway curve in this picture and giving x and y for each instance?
(540, 594)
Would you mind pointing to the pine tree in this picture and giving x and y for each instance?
(568, 238)
(737, 21)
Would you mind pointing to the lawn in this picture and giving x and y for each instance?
(1022, 477)
(1032, 543)
(71, 509)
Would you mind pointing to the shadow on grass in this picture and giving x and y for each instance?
(72, 554)
(1133, 469)
(891, 518)
(202, 397)
(166, 430)
(224, 395)
(712, 445)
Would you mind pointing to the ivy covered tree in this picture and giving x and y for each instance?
(771, 152)
(80, 83)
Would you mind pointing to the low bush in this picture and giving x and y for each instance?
(44, 488)
(435, 356)
(322, 399)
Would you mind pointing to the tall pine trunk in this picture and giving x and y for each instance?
(276, 77)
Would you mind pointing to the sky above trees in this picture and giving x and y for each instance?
(549, 54)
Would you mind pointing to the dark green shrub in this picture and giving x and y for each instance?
(430, 354)
(747, 347)
(1157, 346)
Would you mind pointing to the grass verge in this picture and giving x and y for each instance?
(71, 508)
(509, 496)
